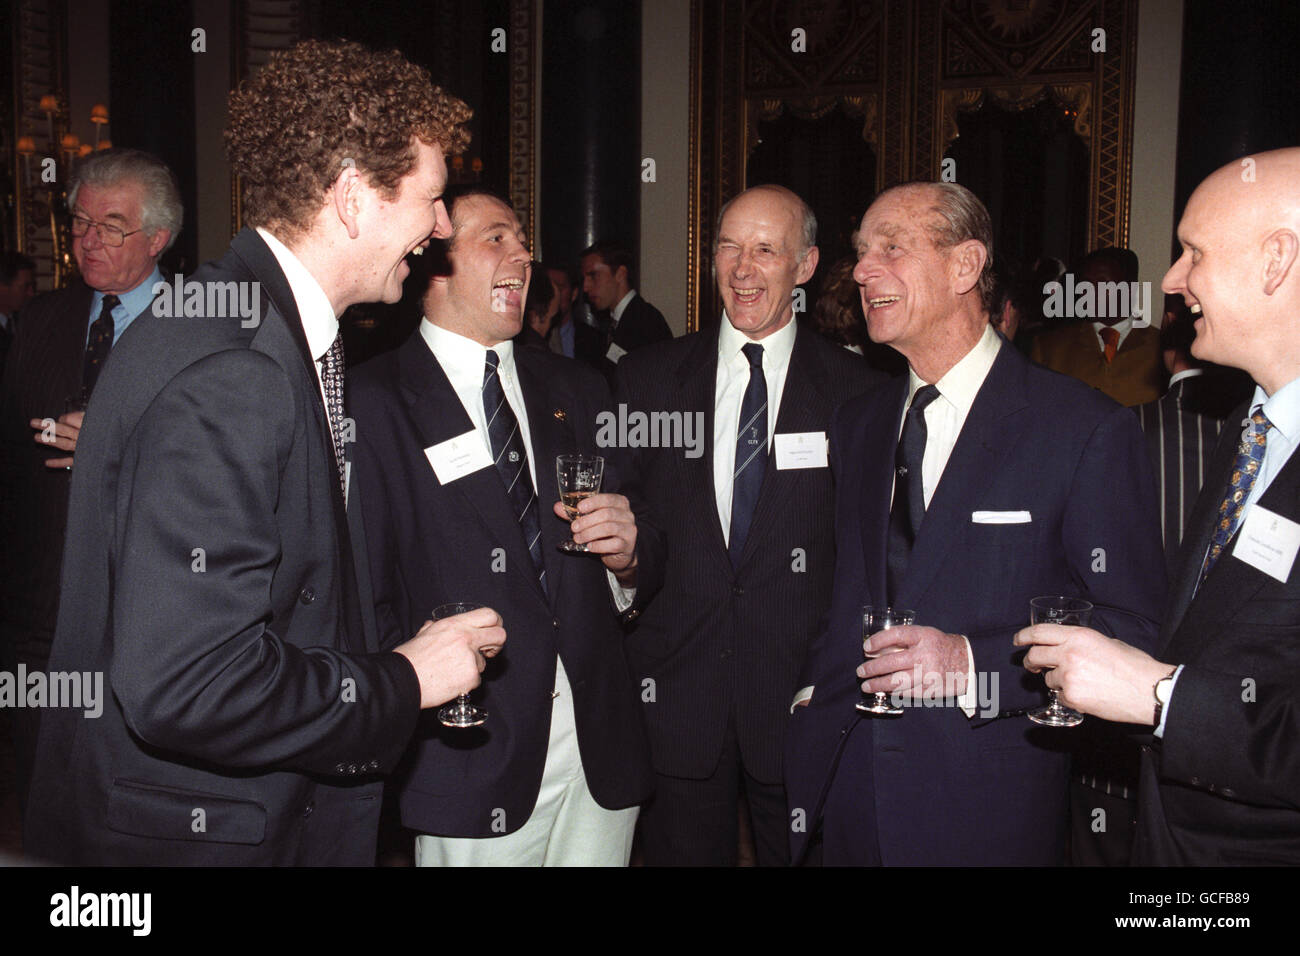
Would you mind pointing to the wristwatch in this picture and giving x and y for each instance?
(1164, 687)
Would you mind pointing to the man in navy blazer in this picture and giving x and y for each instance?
(1220, 780)
(555, 774)
(1019, 495)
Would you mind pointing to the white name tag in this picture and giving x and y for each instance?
(615, 352)
(458, 457)
(1269, 542)
(1001, 517)
(801, 450)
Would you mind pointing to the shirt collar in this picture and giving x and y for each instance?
(131, 303)
(1123, 327)
(319, 322)
(616, 313)
(1185, 373)
(462, 358)
(961, 383)
(1282, 408)
(777, 347)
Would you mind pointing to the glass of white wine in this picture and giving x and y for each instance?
(578, 477)
(875, 620)
(1058, 609)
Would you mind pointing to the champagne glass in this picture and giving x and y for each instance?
(459, 713)
(579, 477)
(875, 620)
(1058, 609)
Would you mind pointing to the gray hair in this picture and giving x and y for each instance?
(161, 207)
(807, 223)
(960, 217)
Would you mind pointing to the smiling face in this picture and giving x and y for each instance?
(1213, 275)
(483, 297)
(759, 259)
(405, 224)
(115, 271)
(906, 282)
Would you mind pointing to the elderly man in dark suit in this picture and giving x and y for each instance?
(249, 709)
(555, 773)
(1220, 777)
(746, 503)
(126, 211)
(975, 484)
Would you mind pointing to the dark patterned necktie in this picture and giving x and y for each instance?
(751, 453)
(908, 511)
(98, 345)
(511, 459)
(1250, 453)
(331, 379)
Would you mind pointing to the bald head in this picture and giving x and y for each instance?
(1239, 272)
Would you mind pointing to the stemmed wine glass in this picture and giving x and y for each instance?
(460, 712)
(1058, 609)
(874, 620)
(579, 477)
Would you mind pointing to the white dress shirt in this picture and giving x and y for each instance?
(729, 394)
(319, 322)
(616, 313)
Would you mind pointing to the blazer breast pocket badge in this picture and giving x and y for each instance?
(1000, 517)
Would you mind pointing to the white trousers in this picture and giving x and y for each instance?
(566, 828)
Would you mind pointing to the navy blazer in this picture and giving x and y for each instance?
(432, 544)
(934, 787)
(1222, 786)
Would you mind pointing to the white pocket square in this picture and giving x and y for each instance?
(1001, 517)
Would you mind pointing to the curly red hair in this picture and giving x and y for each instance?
(320, 104)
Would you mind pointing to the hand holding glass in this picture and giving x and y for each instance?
(875, 620)
(460, 712)
(1058, 610)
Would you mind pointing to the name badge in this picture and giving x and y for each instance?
(1268, 542)
(458, 457)
(801, 450)
(615, 352)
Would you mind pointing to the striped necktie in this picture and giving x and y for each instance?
(512, 460)
(751, 454)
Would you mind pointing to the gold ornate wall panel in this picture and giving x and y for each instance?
(909, 68)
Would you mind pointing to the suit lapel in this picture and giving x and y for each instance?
(550, 436)
(880, 442)
(439, 416)
(696, 382)
(997, 419)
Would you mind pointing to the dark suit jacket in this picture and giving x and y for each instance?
(588, 343)
(641, 324)
(1223, 785)
(215, 593)
(1136, 374)
(933, 787)
(724, 645)
(44, 370)
(433, 544)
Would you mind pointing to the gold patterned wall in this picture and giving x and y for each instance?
(908, 68)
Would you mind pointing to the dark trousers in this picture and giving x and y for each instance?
(695, 822)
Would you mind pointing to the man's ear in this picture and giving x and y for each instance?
(1280, 250)
(158, 242)
(967, 264)
(347, 196)
(621, 277)
(807, 267)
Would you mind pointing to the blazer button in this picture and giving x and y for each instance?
(307, 810)
(307, 595)
(555, 623)
(352, 768)
(340, 768)
(372, 766)
(632, 615)
(737, 590)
